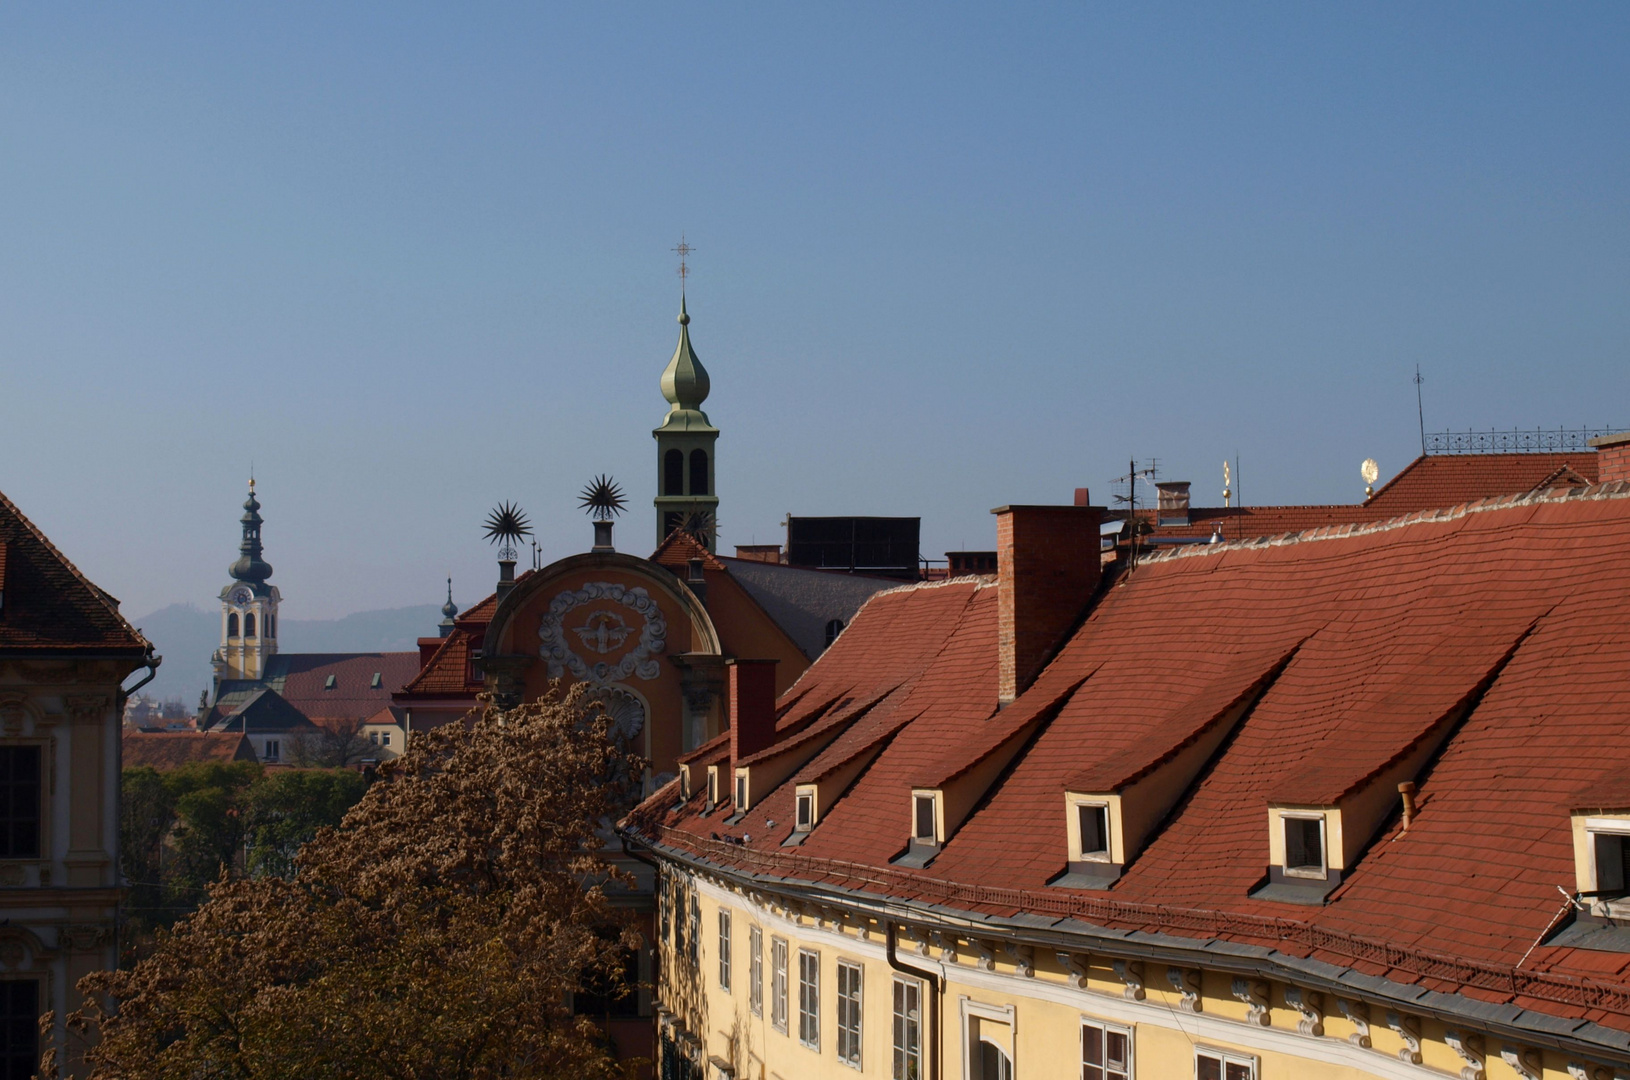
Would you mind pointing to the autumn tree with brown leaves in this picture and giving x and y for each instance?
(436, 933)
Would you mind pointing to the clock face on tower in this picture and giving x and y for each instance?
(241, 595)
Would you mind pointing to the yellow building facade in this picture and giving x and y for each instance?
(757, 985)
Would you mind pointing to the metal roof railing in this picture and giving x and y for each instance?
(1515, 441)
(1300, 937)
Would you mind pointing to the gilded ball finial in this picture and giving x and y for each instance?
(684, 319)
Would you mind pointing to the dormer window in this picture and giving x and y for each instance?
(684, 783)
(741, 793)
(924, 830)
(712, 786)
(1093, 822)
(804, 811)
(1304, 845)
(927, 829)
(1611, 851)
(1092, 826)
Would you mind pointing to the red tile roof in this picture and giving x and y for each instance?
(173, 749)
(1500, 627)
(47, 604)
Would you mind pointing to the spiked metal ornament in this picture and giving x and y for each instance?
(603, 498)
(506, 526)
(699, 523)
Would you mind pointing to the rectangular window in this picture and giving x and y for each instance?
(1094, 821)
(19, 1029)
(1106, 1051)
(925, 818)
(741, 793)
(806, 811)
(665, 905)
(778, 984)
(755, 970)
(809, 998)
(1304, 844)
(1612, 853)
(908, 1021)
(19, 804)
(273, 749)
(696, 928)
(712, 788)
(724, 950)
(384, 738)
(1217, 1065)
(849, 983)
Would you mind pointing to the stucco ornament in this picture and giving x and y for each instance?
(603, 632)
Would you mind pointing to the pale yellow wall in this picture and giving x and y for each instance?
(58, 912)
(1046, 1009)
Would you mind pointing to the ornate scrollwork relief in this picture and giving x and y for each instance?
(1130, 972)
(1310, 1003)
(1407, 1028)
(1254, 993)
(602, 633)
(1186, 981)
(1357, 1014)
(1470, 1048)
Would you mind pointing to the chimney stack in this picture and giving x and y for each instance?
(1173, 507)
(1612, 457)
(506, 578)
(752, 707)
(1048, 566)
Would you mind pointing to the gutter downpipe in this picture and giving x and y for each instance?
(937, 982)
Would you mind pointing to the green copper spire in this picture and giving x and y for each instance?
(685, 383)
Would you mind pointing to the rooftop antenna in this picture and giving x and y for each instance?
(1420, 410)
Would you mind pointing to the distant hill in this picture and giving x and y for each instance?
(185, 635)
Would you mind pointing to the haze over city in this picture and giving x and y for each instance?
(406, 261)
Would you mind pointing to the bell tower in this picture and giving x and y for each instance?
(686, 496)
(248, 607)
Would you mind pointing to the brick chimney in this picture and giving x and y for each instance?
(1612, 457)
(752, 707)
(1048, 565)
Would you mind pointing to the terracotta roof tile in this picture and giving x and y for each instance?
(172, 749)
(47, 604)
(1513, 608)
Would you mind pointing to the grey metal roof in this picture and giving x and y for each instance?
(803, 601)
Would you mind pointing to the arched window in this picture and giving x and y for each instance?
(698, 472)
(249, 625)
(673, 472)
(232, 625)
(833, 629)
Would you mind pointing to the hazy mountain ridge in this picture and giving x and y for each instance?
(185, 635)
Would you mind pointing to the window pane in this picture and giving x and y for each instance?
(1303, 851)
(19, 1029)
(1207, 1067)
(19, 802)
(925, 819)
(1094, 830)
(1236, 1071)
(1116, 1052)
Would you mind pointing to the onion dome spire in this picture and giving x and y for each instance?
(685, 383)
(250, 567)
(449, 611)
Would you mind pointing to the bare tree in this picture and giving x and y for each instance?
(331, 744)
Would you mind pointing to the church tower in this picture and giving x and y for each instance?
(248, 607)
(685, 444)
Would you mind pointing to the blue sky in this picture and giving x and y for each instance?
(412, 260)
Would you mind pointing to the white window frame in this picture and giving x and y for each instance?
(1105, 1029)
(1000, 1014)
(724, 949)
(1287, 816)
(1103, 854)
(851, 1036)
(1227, 1058)
(755, 969)
(802, 821)
(902, 1057)
(809, 999)
(1595, 827)
(778, 983)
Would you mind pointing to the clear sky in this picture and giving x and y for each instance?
(413, 259)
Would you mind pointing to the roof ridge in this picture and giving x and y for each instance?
(1614, 489)
(102, 597)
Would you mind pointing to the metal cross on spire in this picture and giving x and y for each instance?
(682, 250)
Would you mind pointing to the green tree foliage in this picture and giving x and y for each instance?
(182, 830)
(439, 931)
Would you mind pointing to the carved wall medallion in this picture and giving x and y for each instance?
(603, 632)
